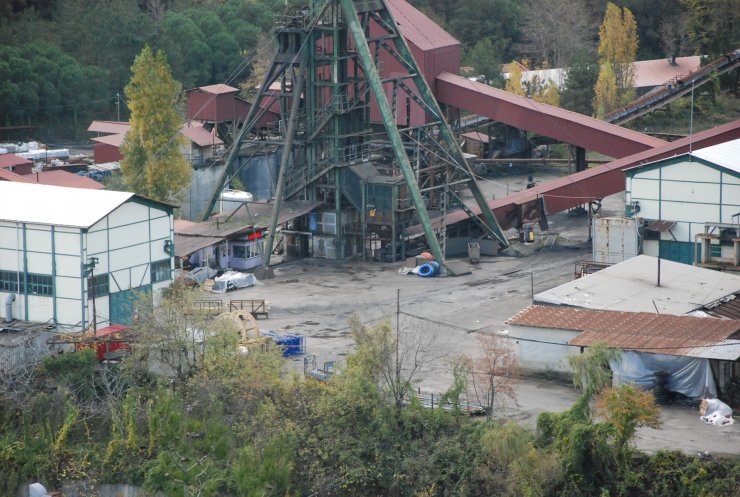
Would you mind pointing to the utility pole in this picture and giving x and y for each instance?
(398, 338)
(118, 106)
(89, 270)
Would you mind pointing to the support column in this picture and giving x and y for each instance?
(371, 73)
(297, 89)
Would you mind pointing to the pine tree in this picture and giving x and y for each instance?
(152, 163)
(618, 49)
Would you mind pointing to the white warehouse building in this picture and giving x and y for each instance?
(67, 251)
(691, 206)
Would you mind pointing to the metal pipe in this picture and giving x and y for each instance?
(9, 307)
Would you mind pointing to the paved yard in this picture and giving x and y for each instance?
(315, 298)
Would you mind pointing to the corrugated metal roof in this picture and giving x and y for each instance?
(418, 28)
(57, 205)
(632, 286)
(591, 184)
(7, 160)
(111, 127)
(217, 89)
(64, 178)
(477, 136)
(726, 155)
(659, 71)
(727, 307)
(661, 226)
(114, 140)
(659, 333)
(195, 132)
(546, 120)
(6, 175)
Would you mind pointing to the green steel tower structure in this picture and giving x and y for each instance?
(374, 182)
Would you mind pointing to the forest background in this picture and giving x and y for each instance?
(66, 62)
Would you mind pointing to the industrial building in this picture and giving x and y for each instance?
(81, 258)
(690, 205)
(699, 354)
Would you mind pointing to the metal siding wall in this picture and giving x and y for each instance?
(102, 152)
(200, 106)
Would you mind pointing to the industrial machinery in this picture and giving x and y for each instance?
(372, 182)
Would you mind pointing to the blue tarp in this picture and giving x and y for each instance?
(690, 376)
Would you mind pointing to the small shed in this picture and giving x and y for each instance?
(699, 354)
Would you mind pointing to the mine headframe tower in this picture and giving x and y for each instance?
(324, 78)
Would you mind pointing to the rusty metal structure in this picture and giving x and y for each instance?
(374, 182)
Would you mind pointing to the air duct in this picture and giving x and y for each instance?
(9, 307)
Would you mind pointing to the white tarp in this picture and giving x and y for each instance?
(690, 376)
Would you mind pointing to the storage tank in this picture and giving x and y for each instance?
(232, 199)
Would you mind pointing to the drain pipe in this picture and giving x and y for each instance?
(9, 307)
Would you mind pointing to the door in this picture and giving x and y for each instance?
(677, 251)
(124, 305)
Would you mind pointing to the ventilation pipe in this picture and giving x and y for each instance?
(9, 307)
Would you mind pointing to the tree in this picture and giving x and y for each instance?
(591, 370)
(495, 374)
(626, 408)
(514, 83)
(542, 90)
(580, 81)
(555, 30)
(391, 359)
(606, 92)
(712, 25)
(486, 61)
(618, 49)
(152, 164)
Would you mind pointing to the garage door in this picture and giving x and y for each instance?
(123, 304)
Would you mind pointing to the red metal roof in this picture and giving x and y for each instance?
(477, 136)
(8, 160)
(110, 127)
(64, 178)
(657, 72)
(545, 120)
(195, 132)
(6, 175)
(591, 184)
(115, 140)
(660, 333)
(418, 28)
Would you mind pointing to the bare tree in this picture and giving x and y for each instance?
(393, 357)
(495, 373)
(555, 30)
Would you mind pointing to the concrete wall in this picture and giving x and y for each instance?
(537, 356)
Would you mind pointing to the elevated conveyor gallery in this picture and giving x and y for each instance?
(545, 120)
(586, 186)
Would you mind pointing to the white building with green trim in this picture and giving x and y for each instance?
(690, 205)
(65, 251)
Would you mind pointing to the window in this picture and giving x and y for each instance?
(101, 285)
(38, 284)
(8, 281)
(247, 251)
(161, 271)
